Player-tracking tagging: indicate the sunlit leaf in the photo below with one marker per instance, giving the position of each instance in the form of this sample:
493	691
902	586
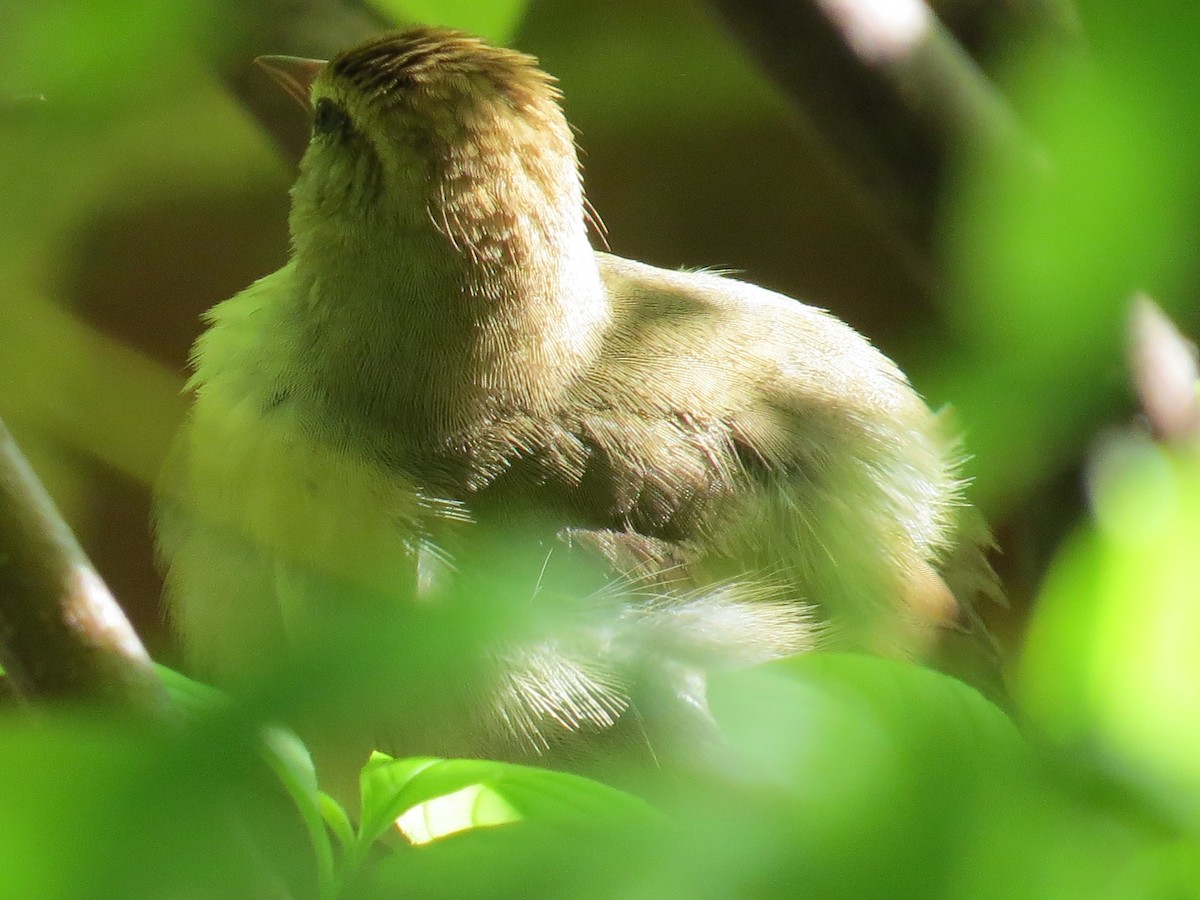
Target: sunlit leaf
484	793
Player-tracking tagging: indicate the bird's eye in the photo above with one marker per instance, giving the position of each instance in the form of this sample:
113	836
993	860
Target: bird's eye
329	118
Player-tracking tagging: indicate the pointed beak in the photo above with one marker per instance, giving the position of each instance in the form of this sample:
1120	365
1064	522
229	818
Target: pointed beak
294	74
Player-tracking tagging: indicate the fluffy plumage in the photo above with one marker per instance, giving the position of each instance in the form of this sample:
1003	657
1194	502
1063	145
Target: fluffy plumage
445	358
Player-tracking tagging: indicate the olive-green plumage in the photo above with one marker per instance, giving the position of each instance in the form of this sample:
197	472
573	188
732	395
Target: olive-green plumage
445	356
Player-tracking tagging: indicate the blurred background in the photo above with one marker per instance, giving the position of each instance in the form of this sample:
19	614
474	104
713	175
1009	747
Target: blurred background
141	188
990	190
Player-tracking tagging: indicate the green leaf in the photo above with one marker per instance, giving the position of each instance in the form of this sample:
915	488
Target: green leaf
383	782
496	20
189	695
107	807
289	759
1113	656
103	54
337	821
524	859
445	796
784	713
835	752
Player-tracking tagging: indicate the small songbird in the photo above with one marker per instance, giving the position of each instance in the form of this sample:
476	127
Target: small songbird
445	359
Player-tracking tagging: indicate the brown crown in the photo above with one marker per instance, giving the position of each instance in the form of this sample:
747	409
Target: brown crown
426	55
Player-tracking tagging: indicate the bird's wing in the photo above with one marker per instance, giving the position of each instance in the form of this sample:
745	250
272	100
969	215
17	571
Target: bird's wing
840	478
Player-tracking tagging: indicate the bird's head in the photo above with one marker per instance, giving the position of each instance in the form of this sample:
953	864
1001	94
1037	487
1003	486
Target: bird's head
431	134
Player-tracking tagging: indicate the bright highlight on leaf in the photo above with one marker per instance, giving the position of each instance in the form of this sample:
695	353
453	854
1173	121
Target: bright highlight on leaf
432	798
476	806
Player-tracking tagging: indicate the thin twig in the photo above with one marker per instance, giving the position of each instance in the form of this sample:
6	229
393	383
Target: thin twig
889	89
1165	373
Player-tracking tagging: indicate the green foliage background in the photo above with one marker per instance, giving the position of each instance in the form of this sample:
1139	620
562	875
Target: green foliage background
137	193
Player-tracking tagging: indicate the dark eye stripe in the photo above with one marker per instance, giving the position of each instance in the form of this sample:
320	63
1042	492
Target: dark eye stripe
329	118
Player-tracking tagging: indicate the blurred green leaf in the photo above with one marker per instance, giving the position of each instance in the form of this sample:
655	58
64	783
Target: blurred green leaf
1113	655
290	761
846	751
189	695
111	808
821	693
338	822
1047	256
103	55
496	20
612	61
525	859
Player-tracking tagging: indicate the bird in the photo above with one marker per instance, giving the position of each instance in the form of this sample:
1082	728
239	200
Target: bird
446	365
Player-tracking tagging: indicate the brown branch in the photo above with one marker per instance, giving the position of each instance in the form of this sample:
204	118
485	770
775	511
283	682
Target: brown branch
889	89
62	635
